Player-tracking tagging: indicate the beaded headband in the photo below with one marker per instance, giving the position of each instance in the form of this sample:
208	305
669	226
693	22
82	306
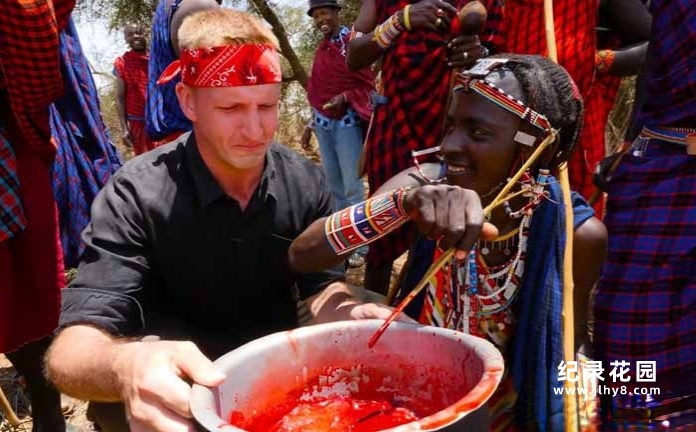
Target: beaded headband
473	79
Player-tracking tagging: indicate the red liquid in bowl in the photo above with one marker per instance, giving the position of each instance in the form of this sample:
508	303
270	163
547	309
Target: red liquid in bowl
336	414
376	402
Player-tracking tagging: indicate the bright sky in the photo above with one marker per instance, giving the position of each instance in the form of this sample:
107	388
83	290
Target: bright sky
100	46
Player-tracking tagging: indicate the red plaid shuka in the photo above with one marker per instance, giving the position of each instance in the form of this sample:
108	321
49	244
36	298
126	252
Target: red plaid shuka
31	273
415	81
575	22
131	67
29	58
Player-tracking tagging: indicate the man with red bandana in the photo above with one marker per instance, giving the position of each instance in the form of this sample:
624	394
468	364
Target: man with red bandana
183	239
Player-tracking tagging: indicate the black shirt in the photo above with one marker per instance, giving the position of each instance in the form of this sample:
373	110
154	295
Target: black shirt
168	253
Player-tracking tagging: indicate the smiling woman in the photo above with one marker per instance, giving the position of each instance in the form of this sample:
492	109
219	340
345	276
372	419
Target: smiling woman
508	288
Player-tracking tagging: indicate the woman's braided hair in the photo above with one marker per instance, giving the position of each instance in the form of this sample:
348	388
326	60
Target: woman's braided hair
550	91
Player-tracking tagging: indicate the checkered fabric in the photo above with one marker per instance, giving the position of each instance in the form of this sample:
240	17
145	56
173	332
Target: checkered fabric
131	67
12	219
85	157
29	58
645	307
673	43
575	22
415	80
163	115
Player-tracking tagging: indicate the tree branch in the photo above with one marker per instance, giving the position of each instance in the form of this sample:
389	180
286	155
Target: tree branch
270	16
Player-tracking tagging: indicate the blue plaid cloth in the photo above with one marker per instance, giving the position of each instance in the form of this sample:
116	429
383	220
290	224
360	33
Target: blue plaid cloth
162	112
12	218
85	157
645	307
671	80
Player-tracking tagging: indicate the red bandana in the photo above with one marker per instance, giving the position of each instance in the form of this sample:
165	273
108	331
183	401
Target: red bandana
226	66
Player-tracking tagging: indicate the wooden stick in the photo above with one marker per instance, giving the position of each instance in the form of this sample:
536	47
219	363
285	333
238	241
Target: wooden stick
7	410
570	405
447	255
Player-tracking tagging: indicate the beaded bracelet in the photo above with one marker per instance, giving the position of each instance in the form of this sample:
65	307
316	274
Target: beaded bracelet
365	222
604	59
386	32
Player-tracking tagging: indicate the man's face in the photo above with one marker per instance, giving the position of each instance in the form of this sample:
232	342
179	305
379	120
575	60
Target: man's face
234	126
326	20
135	37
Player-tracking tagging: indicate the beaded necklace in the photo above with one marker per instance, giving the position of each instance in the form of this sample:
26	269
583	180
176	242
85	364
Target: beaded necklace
480	291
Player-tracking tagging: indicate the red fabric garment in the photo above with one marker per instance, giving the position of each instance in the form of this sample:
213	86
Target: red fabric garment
331	77
131	67
226	66
415	79
30	65
31	262
141	142
575	22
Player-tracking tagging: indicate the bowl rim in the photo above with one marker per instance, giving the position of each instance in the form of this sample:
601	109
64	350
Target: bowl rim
203	397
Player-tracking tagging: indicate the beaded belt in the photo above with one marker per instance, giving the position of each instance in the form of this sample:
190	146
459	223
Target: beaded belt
667	134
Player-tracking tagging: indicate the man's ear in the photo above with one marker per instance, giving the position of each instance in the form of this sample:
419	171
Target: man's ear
185	95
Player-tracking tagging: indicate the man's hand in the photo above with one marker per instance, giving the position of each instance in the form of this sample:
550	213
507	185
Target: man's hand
305	141
432	14
127	138
153	386
337	103
463	51
449	214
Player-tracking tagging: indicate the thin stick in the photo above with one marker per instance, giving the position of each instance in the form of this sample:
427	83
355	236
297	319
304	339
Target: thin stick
10	415
570	408
447	255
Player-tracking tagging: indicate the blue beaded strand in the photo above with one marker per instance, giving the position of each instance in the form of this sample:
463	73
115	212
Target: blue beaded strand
473	273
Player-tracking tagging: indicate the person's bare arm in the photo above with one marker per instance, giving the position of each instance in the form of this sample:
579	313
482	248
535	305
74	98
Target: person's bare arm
87	363
628	60
311	252
589	253
363	50
95	378
449	214
631	21
186	8
338	303
121	111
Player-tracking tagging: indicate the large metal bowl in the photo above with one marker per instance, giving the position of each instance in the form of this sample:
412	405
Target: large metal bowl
452	370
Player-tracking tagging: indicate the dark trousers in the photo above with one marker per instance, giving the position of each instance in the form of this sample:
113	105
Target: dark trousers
108	417
45	399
